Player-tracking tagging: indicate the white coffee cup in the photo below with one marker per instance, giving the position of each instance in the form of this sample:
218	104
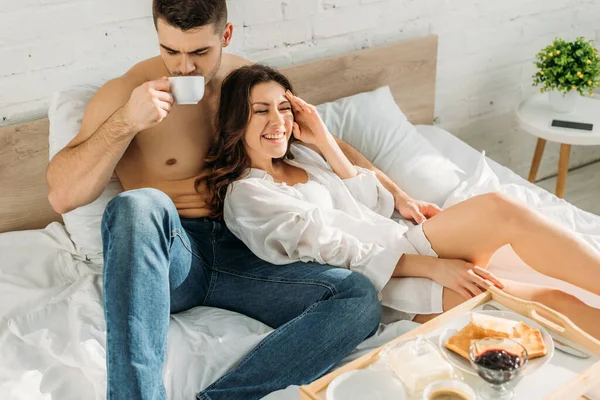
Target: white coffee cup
449	389
187	89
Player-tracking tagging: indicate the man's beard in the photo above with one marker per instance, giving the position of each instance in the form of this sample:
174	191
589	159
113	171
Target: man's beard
208	77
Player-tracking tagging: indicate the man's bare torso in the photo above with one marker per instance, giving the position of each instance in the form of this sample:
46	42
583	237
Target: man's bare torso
170	156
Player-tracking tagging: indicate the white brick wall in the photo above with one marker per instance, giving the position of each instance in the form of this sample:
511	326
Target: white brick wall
485	55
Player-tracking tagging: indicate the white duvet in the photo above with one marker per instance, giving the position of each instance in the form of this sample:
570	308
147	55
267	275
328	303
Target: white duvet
52	333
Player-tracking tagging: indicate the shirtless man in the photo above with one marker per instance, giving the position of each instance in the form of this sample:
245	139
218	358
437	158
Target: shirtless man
162	256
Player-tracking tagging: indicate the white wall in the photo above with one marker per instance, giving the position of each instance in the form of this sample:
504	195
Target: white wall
485	55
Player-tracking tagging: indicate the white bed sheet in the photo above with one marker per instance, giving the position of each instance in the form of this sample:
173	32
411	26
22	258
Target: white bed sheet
52	335
505	263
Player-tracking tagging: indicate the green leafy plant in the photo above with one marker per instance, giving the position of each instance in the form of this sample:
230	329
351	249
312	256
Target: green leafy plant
566	66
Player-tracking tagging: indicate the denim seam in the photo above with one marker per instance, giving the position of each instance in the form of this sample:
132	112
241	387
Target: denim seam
188	248
109	355
219	268
213	277
331	288
214	243
211	287
270	337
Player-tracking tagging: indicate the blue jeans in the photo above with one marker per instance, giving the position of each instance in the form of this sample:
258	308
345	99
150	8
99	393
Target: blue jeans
157	263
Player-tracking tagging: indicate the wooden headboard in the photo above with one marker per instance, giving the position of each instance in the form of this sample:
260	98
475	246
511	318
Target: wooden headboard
408	68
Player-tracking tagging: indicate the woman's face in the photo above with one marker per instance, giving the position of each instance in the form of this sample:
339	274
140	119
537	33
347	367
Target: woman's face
270	124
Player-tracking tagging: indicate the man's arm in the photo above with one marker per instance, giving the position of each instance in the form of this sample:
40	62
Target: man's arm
408	207
78	174
357	158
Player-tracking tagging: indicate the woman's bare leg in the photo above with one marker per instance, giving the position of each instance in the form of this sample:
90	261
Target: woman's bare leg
581	314
475	228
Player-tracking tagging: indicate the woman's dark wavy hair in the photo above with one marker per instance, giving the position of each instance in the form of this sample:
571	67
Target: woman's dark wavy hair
227	160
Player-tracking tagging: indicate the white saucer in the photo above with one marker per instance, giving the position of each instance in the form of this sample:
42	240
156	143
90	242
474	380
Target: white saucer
365	384
464	365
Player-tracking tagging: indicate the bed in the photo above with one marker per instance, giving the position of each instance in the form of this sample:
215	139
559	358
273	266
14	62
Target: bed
51	323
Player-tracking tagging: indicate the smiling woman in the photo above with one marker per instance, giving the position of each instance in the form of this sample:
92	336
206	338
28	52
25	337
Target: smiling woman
329	211
270	124
250	119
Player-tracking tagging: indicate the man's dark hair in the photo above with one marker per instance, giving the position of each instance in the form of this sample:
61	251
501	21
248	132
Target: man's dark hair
190	14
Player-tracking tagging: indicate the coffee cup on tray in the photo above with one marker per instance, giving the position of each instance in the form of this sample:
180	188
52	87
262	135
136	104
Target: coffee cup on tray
449	390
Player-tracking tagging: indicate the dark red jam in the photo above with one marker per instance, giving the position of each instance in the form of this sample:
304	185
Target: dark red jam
497	359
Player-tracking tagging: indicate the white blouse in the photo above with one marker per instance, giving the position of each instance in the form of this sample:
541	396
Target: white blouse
343	223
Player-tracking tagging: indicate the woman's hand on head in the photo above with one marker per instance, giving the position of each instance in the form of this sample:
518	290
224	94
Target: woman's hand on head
308	126
465	278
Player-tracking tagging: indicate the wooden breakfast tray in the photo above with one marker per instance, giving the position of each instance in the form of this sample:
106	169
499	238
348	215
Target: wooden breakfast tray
571	385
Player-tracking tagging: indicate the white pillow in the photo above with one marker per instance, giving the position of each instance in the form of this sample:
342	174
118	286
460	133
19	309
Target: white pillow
373	124
83	224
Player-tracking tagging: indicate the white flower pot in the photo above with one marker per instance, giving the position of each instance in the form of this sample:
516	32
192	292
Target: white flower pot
564	103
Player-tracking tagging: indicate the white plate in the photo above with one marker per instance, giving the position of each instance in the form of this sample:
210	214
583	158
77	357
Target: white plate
459	323
365	384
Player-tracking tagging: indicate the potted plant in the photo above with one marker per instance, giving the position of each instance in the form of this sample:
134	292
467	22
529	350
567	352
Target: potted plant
567	70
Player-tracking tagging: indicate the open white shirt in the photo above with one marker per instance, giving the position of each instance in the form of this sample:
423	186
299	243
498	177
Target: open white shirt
344	223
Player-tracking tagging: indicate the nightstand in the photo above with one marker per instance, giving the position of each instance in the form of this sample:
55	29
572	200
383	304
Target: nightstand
535	116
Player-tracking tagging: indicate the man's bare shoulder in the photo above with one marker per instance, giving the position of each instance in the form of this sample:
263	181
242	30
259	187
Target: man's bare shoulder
115	93
117	90
231	62
235	60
